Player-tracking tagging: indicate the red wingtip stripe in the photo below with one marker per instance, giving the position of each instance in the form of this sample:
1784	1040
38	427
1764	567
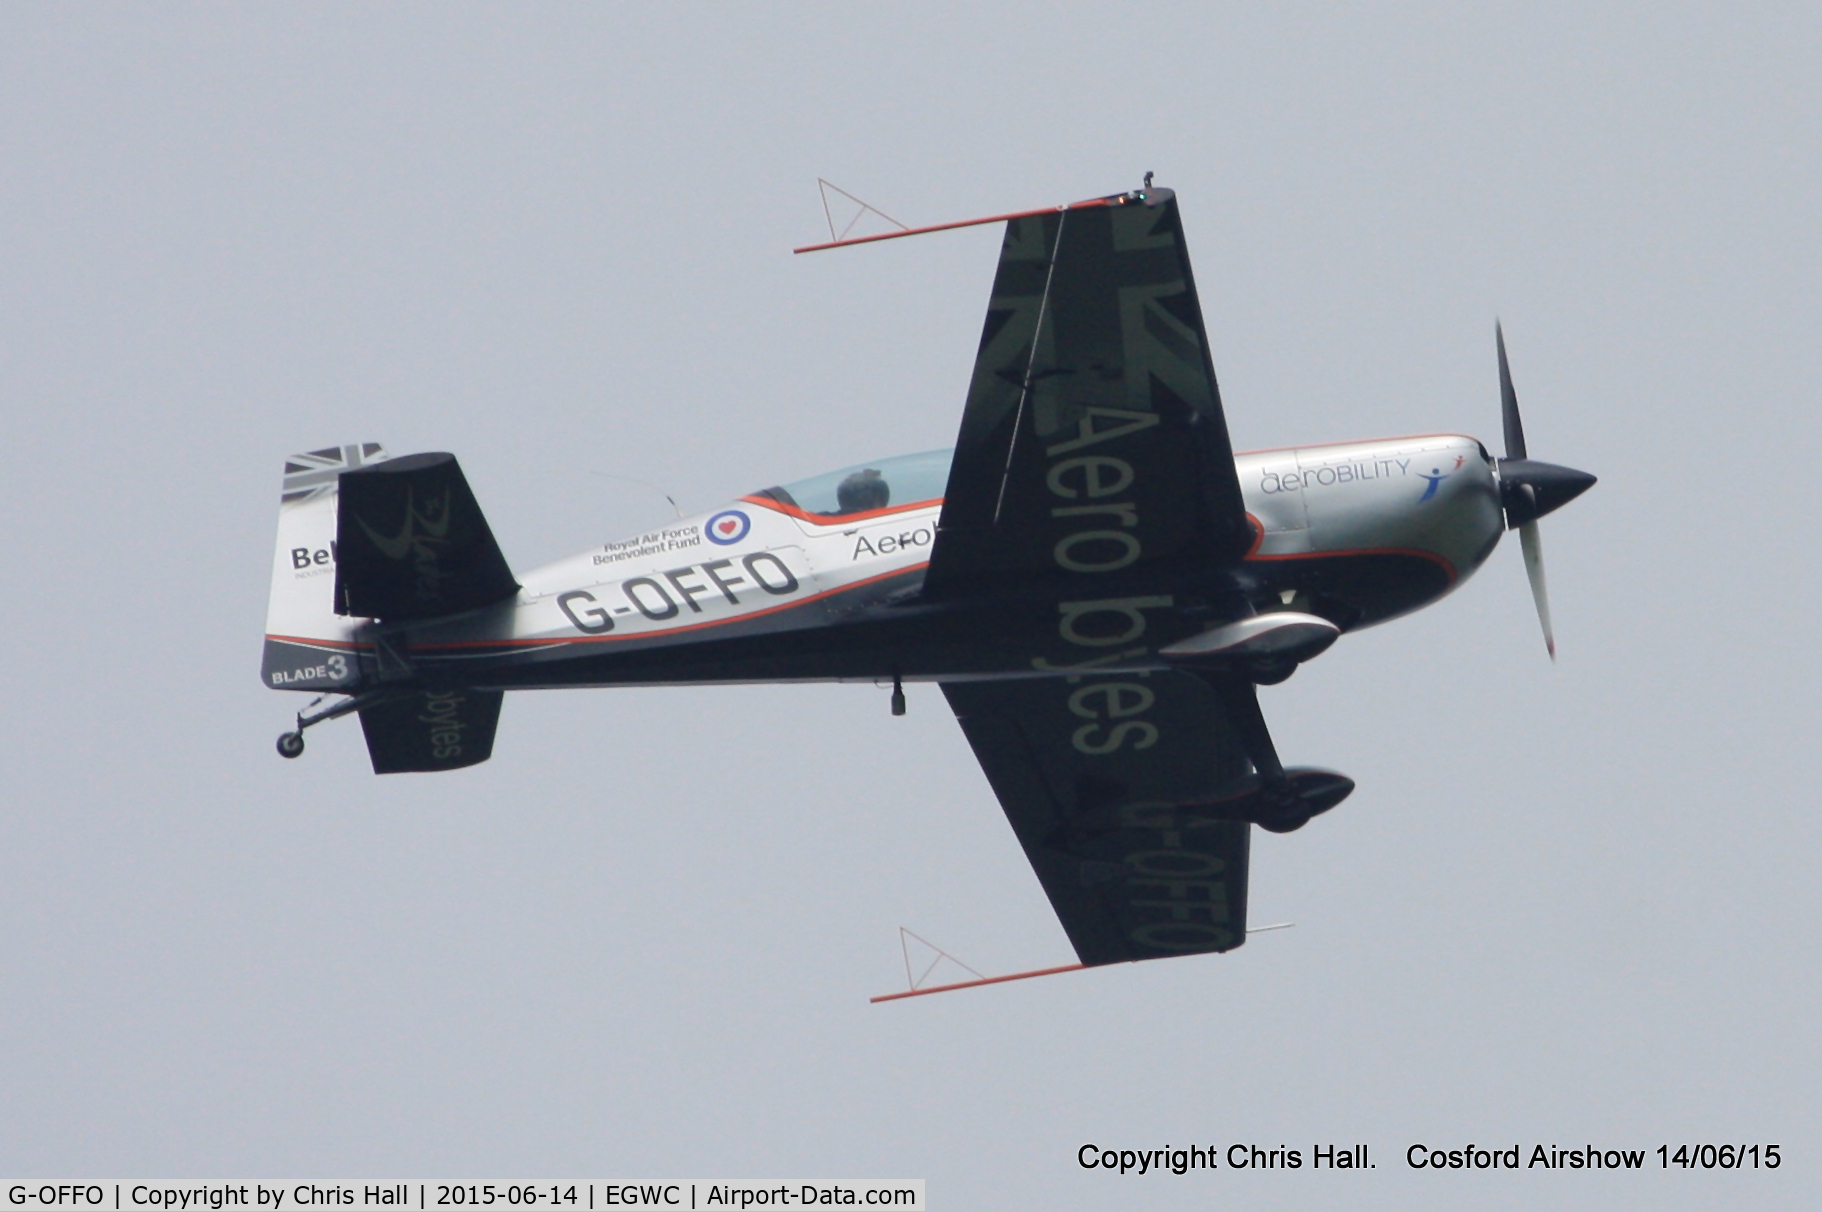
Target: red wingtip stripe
988	980
918	231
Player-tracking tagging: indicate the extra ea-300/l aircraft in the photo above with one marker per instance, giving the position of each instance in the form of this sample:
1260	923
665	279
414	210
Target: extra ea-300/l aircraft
1092	576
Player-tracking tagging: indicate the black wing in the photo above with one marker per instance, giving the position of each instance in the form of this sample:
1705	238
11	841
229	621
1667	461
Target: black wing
1093	438
1095	774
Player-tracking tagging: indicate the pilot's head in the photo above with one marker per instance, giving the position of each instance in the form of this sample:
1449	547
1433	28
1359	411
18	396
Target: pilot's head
862	491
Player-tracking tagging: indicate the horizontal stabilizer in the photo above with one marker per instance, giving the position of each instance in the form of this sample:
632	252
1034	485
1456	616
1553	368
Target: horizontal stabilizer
412	543
431	730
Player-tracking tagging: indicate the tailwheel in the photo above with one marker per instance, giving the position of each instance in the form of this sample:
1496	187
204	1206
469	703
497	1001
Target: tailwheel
291	744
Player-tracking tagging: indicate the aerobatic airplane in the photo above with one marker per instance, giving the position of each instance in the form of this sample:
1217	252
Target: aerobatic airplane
1094	578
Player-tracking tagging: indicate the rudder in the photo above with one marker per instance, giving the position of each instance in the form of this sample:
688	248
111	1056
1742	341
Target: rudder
308	645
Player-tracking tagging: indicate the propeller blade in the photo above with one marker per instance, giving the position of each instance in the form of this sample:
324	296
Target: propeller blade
1532	543
1508	400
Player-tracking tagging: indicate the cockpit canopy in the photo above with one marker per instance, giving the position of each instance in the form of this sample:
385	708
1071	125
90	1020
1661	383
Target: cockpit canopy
896	483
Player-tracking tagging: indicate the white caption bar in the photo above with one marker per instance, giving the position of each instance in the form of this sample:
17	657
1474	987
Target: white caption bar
698	1195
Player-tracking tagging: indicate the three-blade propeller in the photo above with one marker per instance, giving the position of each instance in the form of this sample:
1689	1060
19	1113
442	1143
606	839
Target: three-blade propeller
1529	490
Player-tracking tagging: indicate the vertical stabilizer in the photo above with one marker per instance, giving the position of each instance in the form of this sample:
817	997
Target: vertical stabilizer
308	645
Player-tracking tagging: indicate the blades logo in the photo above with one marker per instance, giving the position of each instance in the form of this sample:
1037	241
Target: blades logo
425	533
728	527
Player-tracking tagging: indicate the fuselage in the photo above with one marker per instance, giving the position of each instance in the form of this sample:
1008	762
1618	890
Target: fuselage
798	584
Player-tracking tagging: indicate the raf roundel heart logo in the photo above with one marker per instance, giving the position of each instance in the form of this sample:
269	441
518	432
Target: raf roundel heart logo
728	527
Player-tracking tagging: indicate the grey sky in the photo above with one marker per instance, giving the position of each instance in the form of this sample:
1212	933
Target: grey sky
1567	905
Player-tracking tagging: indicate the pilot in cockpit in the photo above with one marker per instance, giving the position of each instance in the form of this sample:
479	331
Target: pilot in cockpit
863	491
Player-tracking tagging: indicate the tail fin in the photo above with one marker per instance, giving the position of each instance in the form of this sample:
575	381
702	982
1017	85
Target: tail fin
308	645
412	544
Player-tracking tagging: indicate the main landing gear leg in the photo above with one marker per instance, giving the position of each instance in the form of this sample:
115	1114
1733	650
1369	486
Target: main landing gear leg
898	696
1241	699
1284	800
291	744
